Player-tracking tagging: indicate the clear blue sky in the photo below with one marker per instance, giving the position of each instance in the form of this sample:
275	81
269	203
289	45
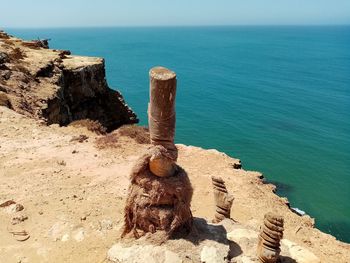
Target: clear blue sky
68	13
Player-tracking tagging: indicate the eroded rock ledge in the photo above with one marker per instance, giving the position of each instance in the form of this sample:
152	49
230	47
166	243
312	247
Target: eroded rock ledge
56	87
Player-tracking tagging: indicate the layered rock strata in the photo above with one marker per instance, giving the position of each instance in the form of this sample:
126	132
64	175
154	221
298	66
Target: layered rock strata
56	87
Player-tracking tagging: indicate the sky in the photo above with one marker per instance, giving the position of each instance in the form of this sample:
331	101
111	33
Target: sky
95	13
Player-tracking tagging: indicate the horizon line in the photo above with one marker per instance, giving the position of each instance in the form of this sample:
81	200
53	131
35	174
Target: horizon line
164	26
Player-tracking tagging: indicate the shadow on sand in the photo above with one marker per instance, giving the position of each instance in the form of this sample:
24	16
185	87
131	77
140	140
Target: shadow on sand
202	231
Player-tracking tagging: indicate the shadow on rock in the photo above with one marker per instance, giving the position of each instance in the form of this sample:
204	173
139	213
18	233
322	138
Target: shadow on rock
201	231
217	233
283	259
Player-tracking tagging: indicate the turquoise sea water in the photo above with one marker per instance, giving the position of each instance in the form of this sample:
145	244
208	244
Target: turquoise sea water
278	98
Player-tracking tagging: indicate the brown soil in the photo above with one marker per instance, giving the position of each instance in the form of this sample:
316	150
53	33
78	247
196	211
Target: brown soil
74	194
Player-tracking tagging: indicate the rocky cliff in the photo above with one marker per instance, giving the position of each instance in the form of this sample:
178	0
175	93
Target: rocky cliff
56	87
63	189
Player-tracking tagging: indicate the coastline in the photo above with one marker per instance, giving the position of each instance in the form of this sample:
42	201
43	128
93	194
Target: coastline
60	181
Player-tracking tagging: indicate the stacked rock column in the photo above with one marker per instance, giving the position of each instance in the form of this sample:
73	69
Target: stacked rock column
269	238
223	200
160	192
161	118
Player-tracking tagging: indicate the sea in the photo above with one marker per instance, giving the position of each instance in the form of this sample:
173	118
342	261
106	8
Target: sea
276	97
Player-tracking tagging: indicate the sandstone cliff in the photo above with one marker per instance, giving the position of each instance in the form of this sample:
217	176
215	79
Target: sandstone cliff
56	87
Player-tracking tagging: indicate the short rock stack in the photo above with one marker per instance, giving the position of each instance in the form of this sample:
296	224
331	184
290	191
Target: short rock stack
269	238
223	200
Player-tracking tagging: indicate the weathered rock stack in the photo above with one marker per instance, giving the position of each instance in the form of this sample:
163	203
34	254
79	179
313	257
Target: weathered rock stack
269	238
223	200
161	119
160	192
161	108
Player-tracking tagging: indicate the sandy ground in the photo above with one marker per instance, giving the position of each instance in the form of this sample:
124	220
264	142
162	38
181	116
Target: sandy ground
73	194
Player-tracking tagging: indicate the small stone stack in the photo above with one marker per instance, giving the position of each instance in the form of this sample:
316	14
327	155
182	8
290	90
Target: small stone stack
269	238
223	200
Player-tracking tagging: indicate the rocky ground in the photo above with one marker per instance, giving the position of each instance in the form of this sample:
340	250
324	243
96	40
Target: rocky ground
56	87
70	189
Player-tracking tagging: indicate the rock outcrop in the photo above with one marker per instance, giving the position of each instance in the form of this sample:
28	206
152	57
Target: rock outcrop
56	87
227	241
74	192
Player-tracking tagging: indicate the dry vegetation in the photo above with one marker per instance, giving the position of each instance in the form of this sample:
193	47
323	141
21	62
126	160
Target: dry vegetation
7	42
5	101
32	45
3	35
17	54
21	69
2	82
93	126
80	138
138	133
108	141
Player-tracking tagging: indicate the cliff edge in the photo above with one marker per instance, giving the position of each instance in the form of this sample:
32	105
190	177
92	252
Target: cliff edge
56	87
63	189
69	186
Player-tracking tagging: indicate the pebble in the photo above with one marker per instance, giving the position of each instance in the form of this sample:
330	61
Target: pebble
80	235
55	232
105	225
65	238
7	203
18	219
14	208
212	255
142	254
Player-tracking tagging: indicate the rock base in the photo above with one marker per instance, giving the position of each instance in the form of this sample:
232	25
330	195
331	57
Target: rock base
157	203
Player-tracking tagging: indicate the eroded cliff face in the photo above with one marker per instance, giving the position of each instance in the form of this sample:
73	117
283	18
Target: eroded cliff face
58	88
84	93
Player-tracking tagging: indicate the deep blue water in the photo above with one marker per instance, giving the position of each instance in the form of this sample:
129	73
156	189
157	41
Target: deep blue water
278	98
